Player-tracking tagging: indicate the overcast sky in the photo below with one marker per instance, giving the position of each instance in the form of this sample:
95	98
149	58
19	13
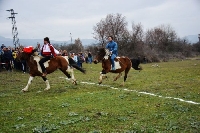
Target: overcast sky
56	19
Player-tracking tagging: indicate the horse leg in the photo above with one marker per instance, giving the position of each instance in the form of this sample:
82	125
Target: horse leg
118	76
125	75
47	83
29	82
69	76
102	75
73	78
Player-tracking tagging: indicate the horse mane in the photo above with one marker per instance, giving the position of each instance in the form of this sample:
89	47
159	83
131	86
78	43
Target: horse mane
101	52
34	52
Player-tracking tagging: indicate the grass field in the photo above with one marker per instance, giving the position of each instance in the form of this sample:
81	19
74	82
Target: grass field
161	98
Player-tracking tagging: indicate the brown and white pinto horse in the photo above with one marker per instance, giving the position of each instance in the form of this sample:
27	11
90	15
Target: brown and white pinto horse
122	63
63	63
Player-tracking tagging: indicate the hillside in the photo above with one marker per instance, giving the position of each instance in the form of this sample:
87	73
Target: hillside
33	42
192	38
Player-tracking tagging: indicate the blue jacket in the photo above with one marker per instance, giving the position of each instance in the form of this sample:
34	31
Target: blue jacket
7	55
112	46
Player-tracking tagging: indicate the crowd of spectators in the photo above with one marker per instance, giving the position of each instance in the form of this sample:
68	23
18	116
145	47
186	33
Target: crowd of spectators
9	62
8	59
79	58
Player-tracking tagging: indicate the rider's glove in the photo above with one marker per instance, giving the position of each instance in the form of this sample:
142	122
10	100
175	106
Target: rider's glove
110	52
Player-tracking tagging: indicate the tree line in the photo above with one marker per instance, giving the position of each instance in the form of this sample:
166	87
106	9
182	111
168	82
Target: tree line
160	43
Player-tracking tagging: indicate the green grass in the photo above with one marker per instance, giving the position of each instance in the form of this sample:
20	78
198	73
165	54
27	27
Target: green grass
104	108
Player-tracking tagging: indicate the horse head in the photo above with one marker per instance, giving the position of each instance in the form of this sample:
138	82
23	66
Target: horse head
101	54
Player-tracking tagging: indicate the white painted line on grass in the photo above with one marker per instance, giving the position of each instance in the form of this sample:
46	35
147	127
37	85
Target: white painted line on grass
141	92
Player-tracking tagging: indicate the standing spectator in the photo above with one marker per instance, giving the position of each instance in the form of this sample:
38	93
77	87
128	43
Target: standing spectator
0	61
23	62
90	57
14	54
86	57
60	52
74	57
38	48
81	59
64	53
18	63
7	56
1	54
1	57
2	46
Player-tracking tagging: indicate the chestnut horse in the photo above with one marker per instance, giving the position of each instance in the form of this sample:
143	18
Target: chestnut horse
63	63
122	63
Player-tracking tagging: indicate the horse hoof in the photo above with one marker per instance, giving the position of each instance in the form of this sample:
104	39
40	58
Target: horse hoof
74	82
46	89
24	90
100	83
122	84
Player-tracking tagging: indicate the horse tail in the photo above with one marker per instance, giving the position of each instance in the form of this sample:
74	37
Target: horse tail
78	68
135	64
73	64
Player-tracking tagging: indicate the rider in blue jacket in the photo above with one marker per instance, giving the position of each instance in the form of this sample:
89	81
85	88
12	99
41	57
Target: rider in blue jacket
112	46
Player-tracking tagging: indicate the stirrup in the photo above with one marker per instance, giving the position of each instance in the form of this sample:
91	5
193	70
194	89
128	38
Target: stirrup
113	68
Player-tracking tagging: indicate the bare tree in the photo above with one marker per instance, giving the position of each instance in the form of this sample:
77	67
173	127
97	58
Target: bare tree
73	47
99	32
112	25
160	38
78	45
196	47
136	40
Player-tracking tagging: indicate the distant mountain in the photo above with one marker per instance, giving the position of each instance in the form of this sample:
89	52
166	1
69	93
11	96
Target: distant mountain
192	38
33	42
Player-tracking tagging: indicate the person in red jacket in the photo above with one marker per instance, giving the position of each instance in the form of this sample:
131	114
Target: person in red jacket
47	50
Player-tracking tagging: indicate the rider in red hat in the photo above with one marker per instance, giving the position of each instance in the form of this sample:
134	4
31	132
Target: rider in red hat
47	50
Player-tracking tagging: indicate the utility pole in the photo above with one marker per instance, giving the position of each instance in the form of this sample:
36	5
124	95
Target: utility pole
199	37
71	37
14	28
